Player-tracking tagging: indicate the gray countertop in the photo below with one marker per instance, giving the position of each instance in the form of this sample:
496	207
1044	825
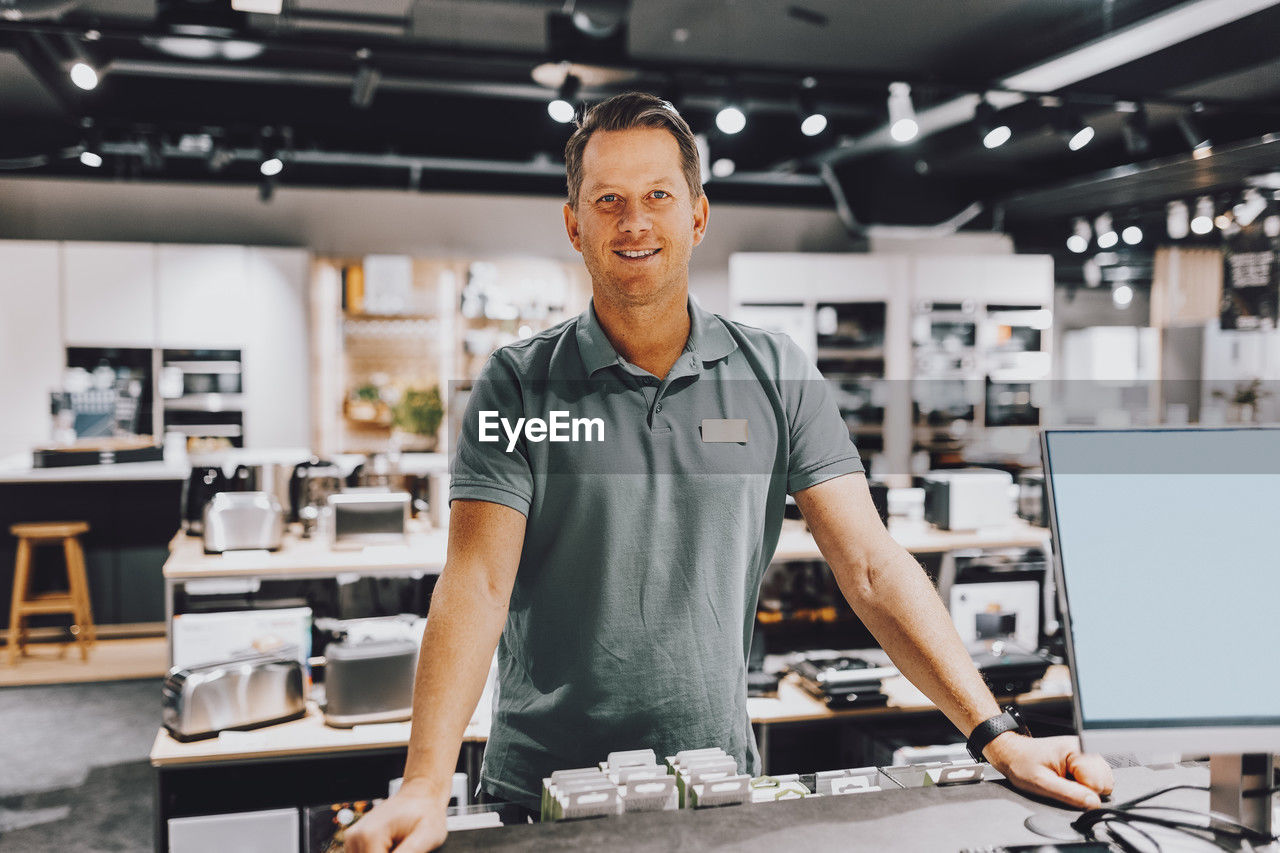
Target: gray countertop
914	819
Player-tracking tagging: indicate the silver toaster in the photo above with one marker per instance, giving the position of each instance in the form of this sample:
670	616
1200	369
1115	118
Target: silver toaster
243	693
239	521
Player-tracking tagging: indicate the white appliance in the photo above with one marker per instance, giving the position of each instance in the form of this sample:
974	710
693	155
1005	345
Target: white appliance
968	498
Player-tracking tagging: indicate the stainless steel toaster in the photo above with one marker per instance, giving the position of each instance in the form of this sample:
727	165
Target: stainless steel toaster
239	521
370	518
243	693
369	682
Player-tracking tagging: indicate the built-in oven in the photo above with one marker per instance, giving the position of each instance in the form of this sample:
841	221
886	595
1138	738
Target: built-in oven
203	396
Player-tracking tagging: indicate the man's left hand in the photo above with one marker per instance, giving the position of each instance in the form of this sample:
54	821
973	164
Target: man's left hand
1052	767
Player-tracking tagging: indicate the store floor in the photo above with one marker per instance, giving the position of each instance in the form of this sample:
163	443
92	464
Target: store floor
74	774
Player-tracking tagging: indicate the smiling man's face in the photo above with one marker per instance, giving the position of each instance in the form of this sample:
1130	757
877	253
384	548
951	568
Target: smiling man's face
635	222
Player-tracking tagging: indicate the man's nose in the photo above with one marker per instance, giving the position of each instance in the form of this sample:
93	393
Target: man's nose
635	219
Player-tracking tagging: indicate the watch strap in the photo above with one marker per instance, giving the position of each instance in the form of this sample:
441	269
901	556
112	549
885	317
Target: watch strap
989	730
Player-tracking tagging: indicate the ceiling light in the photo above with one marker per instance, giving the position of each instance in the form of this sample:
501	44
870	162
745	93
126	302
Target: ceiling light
562	108
84	75
1132	235
91	158
1134	129
1250	208
1122	295
993	131
272	159
1078	242
1194	135
723	168
1203	222
1223	221
1177	220
365	83
902	113
1078	132
731	120
1107	236
812	120
271	166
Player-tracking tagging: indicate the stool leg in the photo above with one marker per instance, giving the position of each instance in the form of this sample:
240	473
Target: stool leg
90	628
76	585
21	570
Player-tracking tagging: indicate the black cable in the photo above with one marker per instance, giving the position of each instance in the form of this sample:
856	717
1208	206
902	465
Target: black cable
1128	845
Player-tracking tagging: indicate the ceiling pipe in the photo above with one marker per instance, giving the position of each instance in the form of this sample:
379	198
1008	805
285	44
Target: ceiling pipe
1112	51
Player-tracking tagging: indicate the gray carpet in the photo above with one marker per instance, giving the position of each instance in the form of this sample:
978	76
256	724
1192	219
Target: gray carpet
75	775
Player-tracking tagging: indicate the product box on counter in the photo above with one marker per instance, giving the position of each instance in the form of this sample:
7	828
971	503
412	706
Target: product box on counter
200	638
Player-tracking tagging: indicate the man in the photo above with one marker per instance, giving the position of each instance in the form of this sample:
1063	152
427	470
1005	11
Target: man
622	574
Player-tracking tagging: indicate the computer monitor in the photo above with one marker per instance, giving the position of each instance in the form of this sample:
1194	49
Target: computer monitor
1168	564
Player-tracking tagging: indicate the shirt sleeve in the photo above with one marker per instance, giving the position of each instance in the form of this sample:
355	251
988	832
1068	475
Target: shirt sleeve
485	470
821	447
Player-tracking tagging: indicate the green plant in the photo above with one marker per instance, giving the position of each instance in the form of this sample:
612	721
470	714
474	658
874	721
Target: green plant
368	393
419	411
1246	394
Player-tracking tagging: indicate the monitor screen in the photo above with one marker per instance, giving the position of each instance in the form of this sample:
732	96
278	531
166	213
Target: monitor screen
1169	559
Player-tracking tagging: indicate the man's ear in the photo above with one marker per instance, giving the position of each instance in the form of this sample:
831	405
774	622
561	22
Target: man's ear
571	226
701	215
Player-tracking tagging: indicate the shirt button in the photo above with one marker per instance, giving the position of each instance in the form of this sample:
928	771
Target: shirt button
658	408
693	361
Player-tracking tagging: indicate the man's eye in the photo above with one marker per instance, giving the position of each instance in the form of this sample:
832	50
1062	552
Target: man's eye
661	194
608	198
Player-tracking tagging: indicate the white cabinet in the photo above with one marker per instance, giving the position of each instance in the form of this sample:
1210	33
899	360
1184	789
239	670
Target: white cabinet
31	356
276	352
109	294
203	296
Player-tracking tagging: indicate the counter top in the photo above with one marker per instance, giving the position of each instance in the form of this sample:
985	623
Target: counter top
310	736
17	469
423	551
975	817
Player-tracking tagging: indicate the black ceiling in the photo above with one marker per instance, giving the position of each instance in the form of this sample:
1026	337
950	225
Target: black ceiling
458	107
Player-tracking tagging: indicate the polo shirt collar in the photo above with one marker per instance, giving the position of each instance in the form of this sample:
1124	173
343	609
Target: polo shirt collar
709	340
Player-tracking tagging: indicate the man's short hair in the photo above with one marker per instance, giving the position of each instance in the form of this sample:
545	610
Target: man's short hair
629	111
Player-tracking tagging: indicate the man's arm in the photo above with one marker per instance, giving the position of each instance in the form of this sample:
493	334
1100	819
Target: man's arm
894	598
468	611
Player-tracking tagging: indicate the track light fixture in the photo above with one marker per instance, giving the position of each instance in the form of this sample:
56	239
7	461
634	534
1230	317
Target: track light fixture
84	75
1077	131
993	131
1078	242
723	167
812	120
902	113
1203	222
1107	236
1177	220
562	108
366	81
1135	130
1250	208
272	156
1132	235
731	119
1196	139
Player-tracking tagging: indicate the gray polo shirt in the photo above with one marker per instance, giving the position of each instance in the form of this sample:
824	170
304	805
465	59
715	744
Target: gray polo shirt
647	537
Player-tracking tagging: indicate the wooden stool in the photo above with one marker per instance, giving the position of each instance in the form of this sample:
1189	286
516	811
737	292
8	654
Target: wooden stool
74	601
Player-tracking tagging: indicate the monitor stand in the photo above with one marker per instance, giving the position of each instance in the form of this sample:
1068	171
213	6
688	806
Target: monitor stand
1230	777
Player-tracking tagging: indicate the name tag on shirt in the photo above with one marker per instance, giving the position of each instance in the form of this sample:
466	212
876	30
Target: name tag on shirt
724	430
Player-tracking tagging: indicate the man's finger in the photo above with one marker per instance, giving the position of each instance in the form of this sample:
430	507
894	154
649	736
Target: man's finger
422	840
1091	771
1050	784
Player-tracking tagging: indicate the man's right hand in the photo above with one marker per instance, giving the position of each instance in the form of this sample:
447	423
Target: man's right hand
409	822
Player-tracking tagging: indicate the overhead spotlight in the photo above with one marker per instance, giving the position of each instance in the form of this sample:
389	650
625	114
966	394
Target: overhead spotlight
562	108
84	75
1224	221
1203	222
1250	208
1177	220
1107	236
723	167
92	159
993	131
1078	132
1122	295
1135	130
272	157
1132	235
731	119
902	113
1078	242
366	81
812	119
1196	139
91	145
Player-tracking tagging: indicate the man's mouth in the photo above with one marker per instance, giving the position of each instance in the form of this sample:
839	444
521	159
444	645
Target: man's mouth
635	254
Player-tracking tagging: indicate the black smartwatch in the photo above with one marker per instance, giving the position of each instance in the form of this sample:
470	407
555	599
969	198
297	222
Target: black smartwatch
989	730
